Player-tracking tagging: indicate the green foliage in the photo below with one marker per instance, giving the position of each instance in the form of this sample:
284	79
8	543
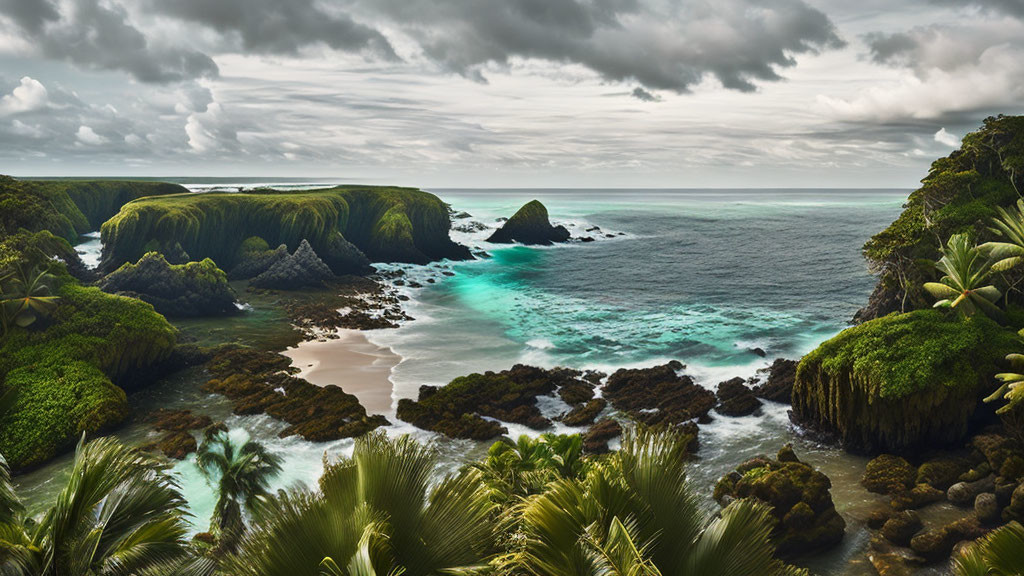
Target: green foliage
379	510
25	297
901	380
64	373
959	195
388	224
191	289
1011	386
999	553
965	285
1008	226
524	467
120	513
635	513
240	472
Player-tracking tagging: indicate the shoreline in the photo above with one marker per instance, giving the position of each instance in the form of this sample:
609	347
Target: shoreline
351	362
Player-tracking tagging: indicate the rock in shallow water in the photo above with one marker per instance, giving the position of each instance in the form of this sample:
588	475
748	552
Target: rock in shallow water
778	384
735	399
530	225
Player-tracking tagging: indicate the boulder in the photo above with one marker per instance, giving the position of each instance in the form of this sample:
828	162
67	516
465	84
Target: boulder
301	269
778	381
964	493
937	544
595	441
917	497
943	472
901	527
799	498
987	509
529	225
888	474
735	399
1015	511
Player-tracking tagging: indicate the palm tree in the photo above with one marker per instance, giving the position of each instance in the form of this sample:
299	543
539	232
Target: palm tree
241	473
965	284
1012	388
380	512
523	467
29	297
999	553
634	514
10	506
119	514
1008	224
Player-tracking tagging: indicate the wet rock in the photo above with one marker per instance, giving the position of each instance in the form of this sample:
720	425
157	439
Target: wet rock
892	564
586	239
942	472
576	392
901	527
759	352
879	517
798	495
1004	491
177	445
530	225
658	395
987	509
888	474
259	382
585	413
164	420
461	408
778	381
1015	511
470	227
595	441
964	493
735	399
936	544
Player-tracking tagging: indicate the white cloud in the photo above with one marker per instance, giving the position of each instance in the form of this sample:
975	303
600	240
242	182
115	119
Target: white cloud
30	95
943	137
86	135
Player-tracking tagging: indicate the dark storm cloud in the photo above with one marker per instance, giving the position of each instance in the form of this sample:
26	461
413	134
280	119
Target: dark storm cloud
644	96
661	44
278	26
99	36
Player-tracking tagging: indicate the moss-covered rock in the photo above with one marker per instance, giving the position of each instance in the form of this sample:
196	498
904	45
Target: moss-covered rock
888	474
798	495
67	374
901	527
936	544
460	409
529	225
385	224
902	382
943	472
584	413
181	290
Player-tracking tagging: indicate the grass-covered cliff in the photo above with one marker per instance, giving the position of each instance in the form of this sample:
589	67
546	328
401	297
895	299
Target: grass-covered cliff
902	382
386	224
960	194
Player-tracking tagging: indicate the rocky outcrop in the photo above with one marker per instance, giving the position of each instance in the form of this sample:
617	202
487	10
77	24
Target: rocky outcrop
529	225
888	474
798	495
180	290
735	399
341	224
303	269
777	381
659	395
466	406
901	383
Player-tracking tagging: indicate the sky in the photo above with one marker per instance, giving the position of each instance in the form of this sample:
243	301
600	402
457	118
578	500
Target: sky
505	93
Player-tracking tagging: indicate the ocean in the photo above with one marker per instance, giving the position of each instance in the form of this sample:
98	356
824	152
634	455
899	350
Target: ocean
699	276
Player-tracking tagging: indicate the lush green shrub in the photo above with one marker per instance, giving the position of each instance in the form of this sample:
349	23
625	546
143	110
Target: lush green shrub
192	289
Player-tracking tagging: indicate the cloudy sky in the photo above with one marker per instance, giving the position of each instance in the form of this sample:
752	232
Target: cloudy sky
505	93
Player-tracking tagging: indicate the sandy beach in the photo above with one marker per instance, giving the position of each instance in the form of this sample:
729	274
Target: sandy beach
352	362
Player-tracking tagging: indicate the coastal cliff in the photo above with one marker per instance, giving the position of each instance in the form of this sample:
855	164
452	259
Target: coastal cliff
385	224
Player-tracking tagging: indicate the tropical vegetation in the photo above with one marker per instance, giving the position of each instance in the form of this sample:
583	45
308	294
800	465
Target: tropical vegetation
965	286
1000	553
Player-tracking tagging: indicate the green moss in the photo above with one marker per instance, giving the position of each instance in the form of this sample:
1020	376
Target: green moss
387	224
182	290
66	373
901	381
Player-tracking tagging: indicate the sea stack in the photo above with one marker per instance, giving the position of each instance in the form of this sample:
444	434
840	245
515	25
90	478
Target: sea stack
530	225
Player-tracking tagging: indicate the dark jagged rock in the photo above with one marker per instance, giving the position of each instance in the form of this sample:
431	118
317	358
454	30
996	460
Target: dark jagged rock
299	270
798	495
735	399
658	395
255	258
460	409
183	290
530	225
585	413
595	441
778	384
261	382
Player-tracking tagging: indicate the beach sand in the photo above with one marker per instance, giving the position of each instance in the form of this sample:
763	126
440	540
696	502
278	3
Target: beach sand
352	362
